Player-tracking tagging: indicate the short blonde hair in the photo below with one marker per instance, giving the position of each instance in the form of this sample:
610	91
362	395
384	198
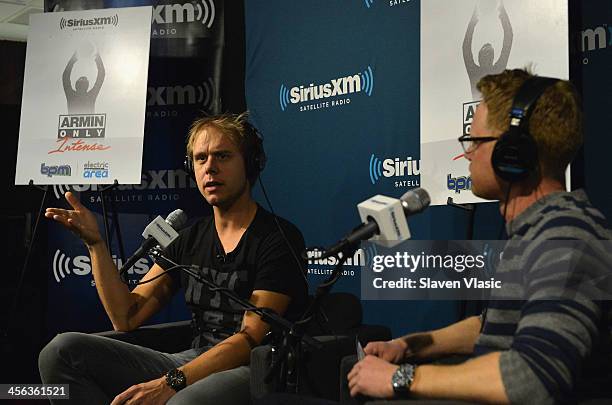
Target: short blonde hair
555	123
231	125
237	128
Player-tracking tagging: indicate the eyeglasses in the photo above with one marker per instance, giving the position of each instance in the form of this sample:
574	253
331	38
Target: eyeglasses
471	143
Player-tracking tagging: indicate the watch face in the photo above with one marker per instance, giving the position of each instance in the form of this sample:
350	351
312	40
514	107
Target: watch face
176	379
402	378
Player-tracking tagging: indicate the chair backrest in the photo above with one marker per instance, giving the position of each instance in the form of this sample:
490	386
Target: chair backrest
339	312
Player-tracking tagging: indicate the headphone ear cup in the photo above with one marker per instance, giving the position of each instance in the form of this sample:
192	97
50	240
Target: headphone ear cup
188	165
260	156
515	155
256	157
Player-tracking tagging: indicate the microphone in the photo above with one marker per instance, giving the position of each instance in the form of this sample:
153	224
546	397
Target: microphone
159	232
384	220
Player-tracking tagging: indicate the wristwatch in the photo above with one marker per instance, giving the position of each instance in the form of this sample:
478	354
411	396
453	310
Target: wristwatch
402	378
176	379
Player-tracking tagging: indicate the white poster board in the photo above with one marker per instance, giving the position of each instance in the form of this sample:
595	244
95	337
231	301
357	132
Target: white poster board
462	41
84	97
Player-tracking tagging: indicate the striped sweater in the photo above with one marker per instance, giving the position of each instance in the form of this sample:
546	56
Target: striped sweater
544	334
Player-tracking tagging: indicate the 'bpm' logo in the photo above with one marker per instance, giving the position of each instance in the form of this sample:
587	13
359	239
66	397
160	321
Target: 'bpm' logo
50	171
87	22
458	184
360	82
394	168
188	12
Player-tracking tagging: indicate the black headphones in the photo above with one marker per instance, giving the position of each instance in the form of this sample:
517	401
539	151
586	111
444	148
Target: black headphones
254	154
515	154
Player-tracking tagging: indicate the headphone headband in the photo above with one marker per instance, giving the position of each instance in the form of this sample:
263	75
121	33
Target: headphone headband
515	155
526	97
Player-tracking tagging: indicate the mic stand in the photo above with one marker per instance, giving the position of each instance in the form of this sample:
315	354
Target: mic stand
286	359
107	231
471	209
5	332
286	354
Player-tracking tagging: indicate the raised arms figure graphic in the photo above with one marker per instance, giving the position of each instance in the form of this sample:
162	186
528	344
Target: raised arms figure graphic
486	55
82	100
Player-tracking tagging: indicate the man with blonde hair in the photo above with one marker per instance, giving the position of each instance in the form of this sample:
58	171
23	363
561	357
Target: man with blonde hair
531	343
241	247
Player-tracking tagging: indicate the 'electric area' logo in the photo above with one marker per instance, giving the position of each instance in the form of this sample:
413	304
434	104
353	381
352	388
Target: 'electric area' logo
162	99
64	266
173	18
86	23
50	171
97	170
458	184
362	82
592	39
152	180
397	167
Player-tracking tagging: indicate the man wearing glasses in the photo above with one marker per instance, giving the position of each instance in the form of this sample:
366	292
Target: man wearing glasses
532	344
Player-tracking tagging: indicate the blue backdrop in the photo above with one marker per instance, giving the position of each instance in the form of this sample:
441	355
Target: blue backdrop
325	145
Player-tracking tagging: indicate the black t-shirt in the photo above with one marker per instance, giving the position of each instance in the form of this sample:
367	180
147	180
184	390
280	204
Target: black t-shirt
261	261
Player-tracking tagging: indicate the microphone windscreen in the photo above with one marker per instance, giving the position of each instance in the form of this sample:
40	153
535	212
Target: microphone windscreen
415	200
177	219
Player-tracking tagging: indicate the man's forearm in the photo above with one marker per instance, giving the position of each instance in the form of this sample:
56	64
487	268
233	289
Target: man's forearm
475	380
114	294
458	338
232	352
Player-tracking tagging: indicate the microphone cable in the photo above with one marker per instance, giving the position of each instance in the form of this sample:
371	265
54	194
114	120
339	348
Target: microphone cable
280	228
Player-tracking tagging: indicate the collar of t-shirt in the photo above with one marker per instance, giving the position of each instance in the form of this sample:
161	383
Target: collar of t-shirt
223	257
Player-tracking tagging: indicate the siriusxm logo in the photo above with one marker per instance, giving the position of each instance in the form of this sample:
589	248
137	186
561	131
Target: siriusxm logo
396	167
164	96
50	171
341	86
593	39
458	184
359	258
88	22
203	11
64	266
363	256
151	180
392	3
596	38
